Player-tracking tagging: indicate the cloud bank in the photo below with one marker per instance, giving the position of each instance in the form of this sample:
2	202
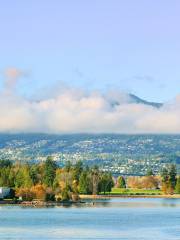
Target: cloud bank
76	111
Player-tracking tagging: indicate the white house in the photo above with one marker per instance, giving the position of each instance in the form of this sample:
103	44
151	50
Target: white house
4	192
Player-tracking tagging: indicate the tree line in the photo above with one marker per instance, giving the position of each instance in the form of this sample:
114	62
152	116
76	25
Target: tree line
168	181
48	181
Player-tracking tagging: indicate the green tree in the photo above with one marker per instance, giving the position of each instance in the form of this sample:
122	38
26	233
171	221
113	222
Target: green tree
78	168
84	183
106	182
4	176
5	163
177	188
34	173
165	180
49	172
23	178
164	175
121	183
172	176
149	172
169	179
68	166
66	192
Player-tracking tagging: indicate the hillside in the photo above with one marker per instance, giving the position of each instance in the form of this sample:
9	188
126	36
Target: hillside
127	154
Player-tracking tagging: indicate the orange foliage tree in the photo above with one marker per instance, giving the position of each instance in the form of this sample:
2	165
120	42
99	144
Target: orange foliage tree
39	192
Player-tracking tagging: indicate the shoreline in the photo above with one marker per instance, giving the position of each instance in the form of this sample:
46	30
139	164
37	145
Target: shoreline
83	199
39	203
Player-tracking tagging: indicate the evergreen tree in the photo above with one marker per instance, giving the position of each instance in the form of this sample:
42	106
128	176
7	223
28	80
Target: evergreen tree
169	179
34	173
121	183
165	180
11	177
106	183
5	163
164	175
78	168
177	188
49	172
172	176
68	166
66	194
84	183
149	172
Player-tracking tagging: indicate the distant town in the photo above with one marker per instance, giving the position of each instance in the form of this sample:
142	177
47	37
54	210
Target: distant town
118	154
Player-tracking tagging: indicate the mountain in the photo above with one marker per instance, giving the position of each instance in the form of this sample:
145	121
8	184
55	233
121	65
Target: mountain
130	98
136	99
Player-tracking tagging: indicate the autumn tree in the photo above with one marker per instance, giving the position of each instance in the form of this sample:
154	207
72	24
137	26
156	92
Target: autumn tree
39	192
149	182
134	182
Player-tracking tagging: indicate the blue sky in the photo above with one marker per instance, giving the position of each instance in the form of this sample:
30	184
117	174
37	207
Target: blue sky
133	45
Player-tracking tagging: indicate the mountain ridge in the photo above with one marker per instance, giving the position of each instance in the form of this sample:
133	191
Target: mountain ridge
142	101
134	99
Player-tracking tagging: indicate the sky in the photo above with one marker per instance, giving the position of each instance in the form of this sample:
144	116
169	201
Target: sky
133	45
86	51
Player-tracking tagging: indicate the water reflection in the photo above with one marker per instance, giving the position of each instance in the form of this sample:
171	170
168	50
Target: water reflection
116	218
133	202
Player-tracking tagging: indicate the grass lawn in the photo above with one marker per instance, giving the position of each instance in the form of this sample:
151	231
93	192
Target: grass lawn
123	191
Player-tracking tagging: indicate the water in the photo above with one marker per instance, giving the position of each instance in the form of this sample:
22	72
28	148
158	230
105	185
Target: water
126	219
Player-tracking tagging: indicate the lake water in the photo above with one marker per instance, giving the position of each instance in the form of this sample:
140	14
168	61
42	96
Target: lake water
126	219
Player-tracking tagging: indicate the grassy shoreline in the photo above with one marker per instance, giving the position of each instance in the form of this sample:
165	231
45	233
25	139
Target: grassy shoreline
175	196
131	193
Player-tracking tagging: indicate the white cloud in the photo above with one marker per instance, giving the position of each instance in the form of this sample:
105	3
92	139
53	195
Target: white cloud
73	111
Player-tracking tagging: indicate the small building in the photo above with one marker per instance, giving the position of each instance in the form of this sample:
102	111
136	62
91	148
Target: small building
4	192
